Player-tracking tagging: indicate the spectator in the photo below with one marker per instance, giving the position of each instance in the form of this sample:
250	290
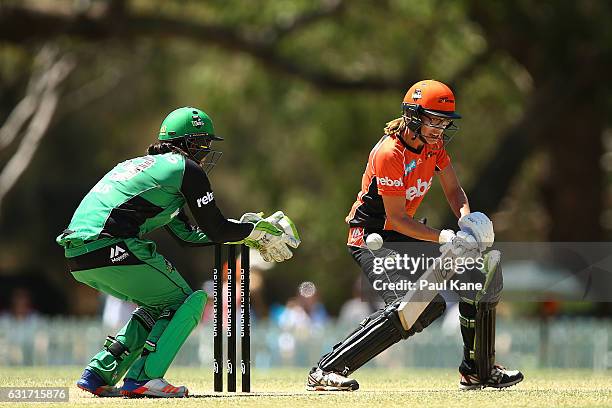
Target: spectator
356	308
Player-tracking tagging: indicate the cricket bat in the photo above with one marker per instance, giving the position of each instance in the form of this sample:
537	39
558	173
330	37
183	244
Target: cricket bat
415	301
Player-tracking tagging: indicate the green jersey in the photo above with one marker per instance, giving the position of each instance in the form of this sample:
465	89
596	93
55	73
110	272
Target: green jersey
145	193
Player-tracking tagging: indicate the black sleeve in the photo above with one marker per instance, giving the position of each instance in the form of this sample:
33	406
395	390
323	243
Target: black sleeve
201	201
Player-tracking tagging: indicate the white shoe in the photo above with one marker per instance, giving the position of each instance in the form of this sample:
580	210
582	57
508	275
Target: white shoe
500	378
319	380
157	387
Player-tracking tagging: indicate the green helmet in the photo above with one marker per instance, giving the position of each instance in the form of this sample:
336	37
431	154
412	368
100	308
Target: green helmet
191	129
187	121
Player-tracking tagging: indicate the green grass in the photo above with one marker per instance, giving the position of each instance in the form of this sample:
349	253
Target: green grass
382	388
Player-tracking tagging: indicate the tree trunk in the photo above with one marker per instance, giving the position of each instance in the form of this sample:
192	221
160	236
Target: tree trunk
573	188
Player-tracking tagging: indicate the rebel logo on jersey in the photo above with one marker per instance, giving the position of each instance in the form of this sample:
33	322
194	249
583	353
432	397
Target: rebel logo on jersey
419	190
205	199
386	181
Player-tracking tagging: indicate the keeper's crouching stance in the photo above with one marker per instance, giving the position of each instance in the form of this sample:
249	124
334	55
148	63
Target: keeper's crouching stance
398	175
105	250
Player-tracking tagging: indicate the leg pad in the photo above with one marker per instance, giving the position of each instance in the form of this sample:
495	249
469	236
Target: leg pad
374	335
484	342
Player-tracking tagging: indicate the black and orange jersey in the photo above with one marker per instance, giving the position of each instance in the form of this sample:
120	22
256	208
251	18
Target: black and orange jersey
393	169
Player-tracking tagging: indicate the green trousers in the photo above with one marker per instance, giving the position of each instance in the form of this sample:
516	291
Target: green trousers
145	278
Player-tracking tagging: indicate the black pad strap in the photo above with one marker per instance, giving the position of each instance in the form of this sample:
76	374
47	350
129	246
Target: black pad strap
144	318
149	347
466	322
116	348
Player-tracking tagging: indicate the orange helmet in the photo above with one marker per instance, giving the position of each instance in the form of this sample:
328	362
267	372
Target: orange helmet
431	97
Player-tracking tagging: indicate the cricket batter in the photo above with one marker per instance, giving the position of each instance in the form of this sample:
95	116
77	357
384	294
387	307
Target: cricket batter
105	249
398	174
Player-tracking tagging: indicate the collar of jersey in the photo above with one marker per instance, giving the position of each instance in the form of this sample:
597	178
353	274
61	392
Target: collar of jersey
407	146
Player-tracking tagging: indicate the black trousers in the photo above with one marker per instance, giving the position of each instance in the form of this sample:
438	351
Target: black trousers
366	260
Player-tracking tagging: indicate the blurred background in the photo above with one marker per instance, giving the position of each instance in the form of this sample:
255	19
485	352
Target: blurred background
301	91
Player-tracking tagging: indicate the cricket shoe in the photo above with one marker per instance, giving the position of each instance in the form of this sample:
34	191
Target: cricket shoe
90	381
157	388
319	380
500	378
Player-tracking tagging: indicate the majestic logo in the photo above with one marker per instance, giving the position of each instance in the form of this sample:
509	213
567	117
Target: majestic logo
207	198
118	254
417	94
419	190
386	181
196	121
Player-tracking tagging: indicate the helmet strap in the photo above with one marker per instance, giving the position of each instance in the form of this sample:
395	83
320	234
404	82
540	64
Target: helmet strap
414	125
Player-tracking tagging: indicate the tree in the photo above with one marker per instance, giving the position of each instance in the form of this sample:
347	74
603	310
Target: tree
36	109
311	84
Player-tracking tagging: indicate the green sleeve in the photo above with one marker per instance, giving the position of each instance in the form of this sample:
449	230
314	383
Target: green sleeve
186	233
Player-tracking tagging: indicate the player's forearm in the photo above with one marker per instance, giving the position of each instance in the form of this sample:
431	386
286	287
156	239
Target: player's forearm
185	233
219	229
458	202
406	225
189	238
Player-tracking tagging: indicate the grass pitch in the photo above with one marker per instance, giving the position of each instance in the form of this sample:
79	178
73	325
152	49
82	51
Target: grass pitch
379	388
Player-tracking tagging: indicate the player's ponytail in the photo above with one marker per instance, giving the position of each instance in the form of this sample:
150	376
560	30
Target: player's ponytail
165	147
396	126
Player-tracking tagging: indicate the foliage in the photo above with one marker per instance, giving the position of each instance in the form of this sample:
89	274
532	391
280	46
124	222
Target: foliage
301	91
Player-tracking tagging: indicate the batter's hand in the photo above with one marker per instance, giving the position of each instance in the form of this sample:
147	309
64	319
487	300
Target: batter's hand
460	244
480	227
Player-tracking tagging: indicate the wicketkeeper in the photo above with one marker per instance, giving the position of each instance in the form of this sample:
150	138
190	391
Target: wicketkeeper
105	249
398	174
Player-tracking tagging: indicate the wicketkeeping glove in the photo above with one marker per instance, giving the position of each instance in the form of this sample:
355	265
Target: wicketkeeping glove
252	217
286	224
272	236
